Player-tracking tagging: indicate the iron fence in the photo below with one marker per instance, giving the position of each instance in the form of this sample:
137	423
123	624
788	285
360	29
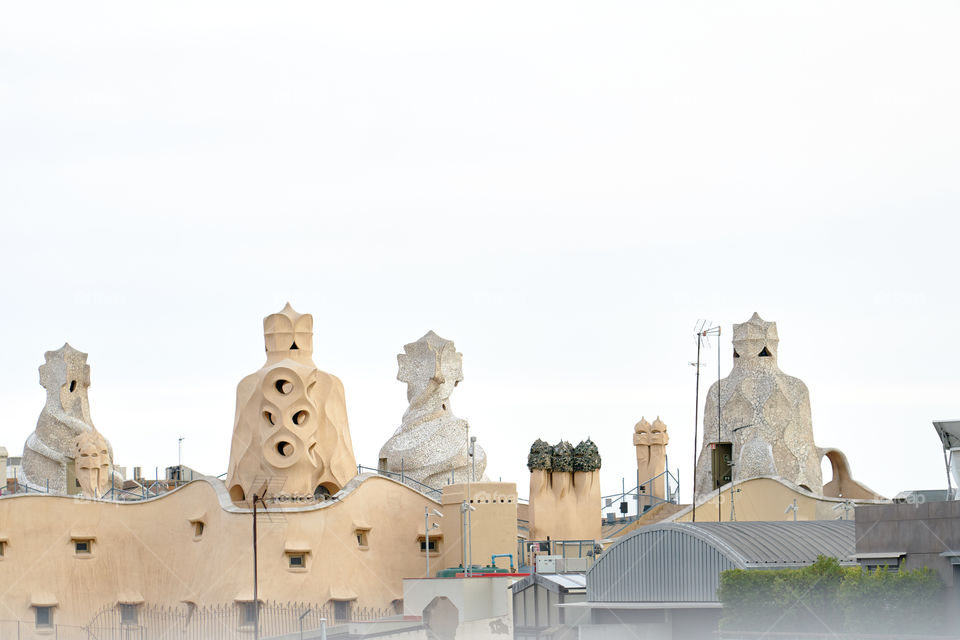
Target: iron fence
232	621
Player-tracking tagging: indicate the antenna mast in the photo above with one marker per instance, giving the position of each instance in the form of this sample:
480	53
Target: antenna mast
704	330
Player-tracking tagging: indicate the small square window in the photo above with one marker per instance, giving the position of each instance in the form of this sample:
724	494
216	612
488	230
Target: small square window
3	548
424	543
197	529
83	547
248	613
298	560
43	616
341	610
129	614
362	537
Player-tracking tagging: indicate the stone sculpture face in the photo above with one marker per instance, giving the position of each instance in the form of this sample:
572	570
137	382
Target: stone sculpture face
291	440
755	343
92	462
650	441
65	375
288	331
431	444
431	359
764	415
641	433
658	433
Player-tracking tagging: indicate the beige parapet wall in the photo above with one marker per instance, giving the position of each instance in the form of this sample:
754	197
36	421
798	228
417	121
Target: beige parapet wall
151	552
493	525
768	499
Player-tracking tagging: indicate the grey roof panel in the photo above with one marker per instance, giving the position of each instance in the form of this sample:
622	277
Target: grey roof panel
783	543
552	581
682	561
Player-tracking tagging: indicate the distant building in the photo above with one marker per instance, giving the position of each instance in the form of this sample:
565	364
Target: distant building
661	581
911	535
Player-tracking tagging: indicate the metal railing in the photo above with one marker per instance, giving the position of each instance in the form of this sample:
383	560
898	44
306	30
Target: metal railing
642	500
403	478
188	622
527	550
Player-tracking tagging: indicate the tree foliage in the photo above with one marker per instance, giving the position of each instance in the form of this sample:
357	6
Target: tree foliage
828	598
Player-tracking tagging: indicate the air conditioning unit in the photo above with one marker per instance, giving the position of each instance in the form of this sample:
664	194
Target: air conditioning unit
548	564
572	565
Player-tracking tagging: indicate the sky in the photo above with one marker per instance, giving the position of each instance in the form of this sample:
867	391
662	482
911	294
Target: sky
562	189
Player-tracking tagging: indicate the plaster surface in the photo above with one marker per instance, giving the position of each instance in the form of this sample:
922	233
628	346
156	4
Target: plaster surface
766	498
150	551
291	439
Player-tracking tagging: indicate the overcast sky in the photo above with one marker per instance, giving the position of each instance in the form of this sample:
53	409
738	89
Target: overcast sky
563	189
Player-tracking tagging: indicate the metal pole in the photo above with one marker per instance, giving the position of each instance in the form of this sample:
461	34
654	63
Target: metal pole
720	493
256	601
696	419
946	461
463	536
718	389
426	535
468	551
473	458
666	479
323	629
302	615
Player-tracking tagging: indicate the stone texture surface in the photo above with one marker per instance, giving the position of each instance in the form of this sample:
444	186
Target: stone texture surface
651	441
92	458
431	445
586	456
291	440
65	417
540	456
780	441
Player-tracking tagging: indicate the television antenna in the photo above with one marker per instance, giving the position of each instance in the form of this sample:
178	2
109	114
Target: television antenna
847	506
268	486
703	330
792	507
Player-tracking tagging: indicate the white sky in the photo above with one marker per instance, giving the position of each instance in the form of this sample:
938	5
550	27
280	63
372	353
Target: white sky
562	189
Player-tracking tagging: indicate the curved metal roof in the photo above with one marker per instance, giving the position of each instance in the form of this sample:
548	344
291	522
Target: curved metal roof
682	561
754	545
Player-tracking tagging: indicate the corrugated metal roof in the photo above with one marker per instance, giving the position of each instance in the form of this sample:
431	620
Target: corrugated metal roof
682	561
552	581
778	544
